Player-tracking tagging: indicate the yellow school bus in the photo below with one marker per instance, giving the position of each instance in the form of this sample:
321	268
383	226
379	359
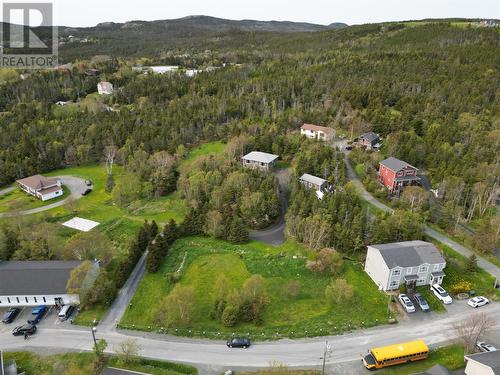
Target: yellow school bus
395	354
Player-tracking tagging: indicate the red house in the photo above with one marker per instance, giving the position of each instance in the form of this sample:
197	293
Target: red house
395	174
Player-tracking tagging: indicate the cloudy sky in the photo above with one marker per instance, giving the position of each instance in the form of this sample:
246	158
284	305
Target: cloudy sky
91	12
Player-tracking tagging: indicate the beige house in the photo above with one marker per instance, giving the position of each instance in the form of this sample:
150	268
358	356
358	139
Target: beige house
483	363
321	133
41	187
259	160
413	263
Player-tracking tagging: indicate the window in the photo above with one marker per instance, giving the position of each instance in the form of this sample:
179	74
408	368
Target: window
423	269
17	299
420	281
436	267
396	272
394	284
35	299
44	300
408	270
26	298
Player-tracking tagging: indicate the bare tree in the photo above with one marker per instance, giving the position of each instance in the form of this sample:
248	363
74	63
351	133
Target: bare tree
472	329
109	158
128	350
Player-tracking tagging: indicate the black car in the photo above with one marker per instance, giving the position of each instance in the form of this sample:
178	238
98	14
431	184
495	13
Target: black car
29	329
11	314
87	191
238	342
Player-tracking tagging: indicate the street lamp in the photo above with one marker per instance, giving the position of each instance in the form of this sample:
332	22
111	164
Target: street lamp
327	352
93	330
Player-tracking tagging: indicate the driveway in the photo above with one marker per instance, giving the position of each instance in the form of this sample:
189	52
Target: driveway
75	185
214	357
483	263
275	235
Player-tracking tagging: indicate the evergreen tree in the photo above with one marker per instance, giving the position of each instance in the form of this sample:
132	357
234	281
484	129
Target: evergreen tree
155	256
471	264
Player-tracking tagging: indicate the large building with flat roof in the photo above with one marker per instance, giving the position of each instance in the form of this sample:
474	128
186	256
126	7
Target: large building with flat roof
33	283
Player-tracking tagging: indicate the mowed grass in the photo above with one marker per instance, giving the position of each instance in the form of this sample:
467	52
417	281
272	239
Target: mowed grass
305	314
19	200
83	363
451	356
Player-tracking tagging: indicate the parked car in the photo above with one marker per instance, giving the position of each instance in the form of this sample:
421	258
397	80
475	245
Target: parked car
406	303
441	294
238	342
484	347
29	329
422	303
87	191
40	312
88	182
11	314
348	148
478	301
65	312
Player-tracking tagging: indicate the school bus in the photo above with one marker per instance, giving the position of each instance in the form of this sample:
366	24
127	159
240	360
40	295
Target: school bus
395	354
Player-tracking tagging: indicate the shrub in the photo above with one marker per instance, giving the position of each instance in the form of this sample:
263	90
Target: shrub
461	287
230	316
328	261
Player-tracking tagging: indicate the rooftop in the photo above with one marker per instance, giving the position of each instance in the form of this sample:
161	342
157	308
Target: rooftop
395	164
262	157
370	136
409	253
37	182
316	128
312	179
35	277
490	359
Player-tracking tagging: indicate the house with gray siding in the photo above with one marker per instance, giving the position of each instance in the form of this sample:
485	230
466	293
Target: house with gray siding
413	263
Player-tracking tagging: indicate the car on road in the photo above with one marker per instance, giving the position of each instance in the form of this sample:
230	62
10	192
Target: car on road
88	182
238	342
441	294
484	347
29	329
422	303
406	302
478	301
87	191
11	314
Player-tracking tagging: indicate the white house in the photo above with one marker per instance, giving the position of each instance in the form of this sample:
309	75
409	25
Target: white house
33	283
321	133
413	263
483	363
105	88
259	160
41	187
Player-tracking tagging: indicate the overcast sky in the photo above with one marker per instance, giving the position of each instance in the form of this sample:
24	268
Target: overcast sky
91	12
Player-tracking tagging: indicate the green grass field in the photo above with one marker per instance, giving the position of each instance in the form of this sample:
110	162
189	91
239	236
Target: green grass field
19	200
451	356
306	314
83	363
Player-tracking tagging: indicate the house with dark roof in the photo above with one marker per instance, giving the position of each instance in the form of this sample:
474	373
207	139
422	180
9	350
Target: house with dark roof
259	160
483	363
369	140
41	187
317	183
321	133
413	263
395	174
33	283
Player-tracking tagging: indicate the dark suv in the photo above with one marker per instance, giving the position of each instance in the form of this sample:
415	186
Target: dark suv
29	329
238	342
38	313
11	314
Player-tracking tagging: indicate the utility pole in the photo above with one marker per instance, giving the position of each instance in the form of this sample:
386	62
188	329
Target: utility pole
327	352
93	330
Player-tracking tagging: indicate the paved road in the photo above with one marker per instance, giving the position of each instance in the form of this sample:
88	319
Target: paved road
7	190
76	187
275	235
483	263
125	295
214	356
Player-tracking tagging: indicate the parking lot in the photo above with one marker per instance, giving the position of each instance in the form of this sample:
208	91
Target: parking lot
50	319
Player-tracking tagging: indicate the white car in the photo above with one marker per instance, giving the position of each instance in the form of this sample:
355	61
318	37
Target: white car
441	294
484	347
478	301
406	303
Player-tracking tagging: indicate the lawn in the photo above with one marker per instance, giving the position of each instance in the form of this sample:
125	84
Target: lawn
305	314
451	356
205	149
19	200
83	363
